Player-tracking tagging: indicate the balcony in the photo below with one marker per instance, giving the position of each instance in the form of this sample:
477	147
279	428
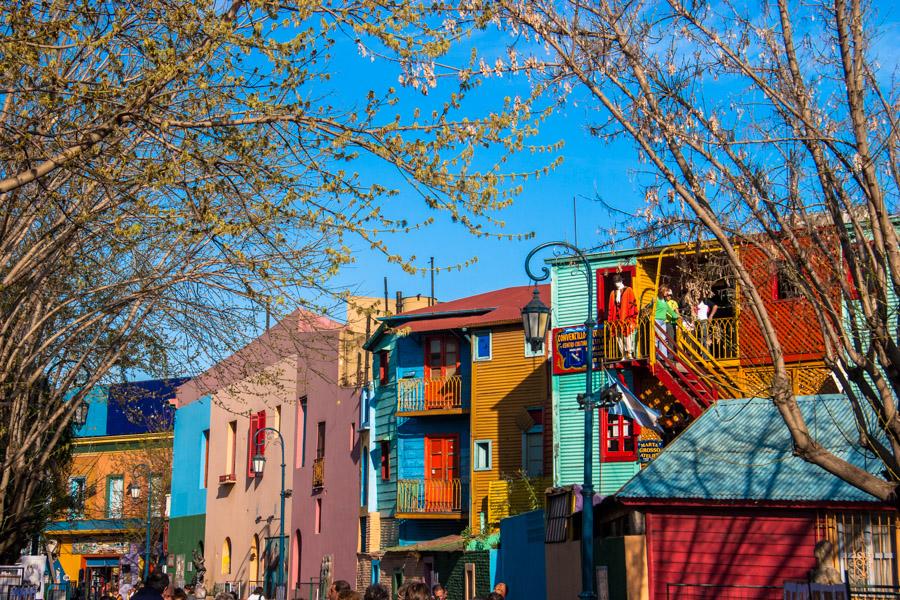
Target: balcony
318	473
430	498
419	397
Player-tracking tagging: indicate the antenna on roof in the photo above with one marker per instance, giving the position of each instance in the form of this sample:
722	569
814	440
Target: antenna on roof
431	299
385	296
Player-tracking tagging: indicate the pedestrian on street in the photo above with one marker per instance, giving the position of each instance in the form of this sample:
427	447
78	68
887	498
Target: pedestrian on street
257	594
438	592
501	589
376	591
416	590
154	587
337	588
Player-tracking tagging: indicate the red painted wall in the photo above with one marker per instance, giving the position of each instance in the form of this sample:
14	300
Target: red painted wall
727	547
795	321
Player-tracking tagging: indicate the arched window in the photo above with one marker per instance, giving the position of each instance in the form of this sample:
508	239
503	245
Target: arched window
226	557
254	561
295	559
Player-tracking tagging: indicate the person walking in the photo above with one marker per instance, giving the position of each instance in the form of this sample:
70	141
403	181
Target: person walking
154	587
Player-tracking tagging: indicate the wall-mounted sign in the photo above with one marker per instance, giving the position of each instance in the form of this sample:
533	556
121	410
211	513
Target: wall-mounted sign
648	449
570	349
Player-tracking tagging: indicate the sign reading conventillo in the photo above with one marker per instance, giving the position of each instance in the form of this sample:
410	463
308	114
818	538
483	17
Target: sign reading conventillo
570	349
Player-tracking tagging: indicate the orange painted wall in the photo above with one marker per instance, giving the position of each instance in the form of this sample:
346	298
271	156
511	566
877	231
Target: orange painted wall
502	389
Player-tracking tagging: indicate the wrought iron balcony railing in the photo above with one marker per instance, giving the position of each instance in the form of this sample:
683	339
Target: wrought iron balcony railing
318	473
435	496
418	394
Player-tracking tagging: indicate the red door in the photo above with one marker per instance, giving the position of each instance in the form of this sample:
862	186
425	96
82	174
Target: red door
442	389
442	492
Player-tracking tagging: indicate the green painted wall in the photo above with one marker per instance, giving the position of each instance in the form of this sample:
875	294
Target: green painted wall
184	535
569	297
451	567
610	552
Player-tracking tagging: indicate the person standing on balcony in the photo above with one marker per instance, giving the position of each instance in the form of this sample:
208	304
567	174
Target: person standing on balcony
623	314
705	310
665	317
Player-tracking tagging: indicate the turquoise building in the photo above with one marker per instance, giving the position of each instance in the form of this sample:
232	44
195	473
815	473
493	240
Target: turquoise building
190	478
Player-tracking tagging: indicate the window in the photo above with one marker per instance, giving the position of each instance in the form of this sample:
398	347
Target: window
483	345
619	438
866	547
376	571
318	515
159	496
352	435
483	455
115	496
533	445
441	357
226	557
77	486
363	535
785	285
384	362
204	452
469	591
256	441
320	440
529	353
277	423
385	460
300	453
364	477
396	582
231	448
559	515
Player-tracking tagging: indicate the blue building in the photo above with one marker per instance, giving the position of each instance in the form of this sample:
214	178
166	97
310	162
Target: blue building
190	478
125	441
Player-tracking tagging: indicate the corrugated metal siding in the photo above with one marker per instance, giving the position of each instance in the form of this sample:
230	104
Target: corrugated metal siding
568	428
614	475
505	386
750	548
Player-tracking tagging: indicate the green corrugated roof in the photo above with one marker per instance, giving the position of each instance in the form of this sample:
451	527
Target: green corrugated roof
741	450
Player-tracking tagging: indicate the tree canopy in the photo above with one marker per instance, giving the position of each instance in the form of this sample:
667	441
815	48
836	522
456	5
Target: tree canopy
170	167
764	125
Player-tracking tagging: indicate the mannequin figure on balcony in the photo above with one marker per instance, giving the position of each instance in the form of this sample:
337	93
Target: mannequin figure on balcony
623	315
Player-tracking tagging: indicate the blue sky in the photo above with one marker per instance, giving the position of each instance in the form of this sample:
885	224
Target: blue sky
545	207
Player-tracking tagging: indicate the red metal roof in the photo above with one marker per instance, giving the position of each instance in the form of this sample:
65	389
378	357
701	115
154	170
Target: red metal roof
499	306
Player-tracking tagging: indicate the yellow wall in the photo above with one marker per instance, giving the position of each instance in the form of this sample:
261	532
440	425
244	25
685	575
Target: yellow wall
636	571
502	389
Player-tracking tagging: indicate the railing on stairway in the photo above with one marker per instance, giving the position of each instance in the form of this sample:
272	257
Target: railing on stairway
701	355
683	377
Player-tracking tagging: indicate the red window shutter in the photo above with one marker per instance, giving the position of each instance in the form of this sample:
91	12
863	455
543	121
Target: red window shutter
260	424
251	440
385	461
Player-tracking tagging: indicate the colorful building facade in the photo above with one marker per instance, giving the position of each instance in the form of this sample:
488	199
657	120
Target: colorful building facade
126	440
190	482
457	438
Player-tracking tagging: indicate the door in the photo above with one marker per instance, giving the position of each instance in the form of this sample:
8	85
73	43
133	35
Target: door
442	389
442	493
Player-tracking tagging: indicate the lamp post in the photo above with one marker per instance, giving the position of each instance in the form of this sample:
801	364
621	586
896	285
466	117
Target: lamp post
259	463
536	320
134	490
79	417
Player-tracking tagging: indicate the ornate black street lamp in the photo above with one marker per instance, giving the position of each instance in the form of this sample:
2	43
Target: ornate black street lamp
259	463
536	320
134	490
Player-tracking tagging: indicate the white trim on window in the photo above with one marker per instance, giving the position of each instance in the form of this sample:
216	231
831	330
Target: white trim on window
483	451
477	356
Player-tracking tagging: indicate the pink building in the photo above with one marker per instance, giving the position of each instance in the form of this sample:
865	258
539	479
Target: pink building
297	378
